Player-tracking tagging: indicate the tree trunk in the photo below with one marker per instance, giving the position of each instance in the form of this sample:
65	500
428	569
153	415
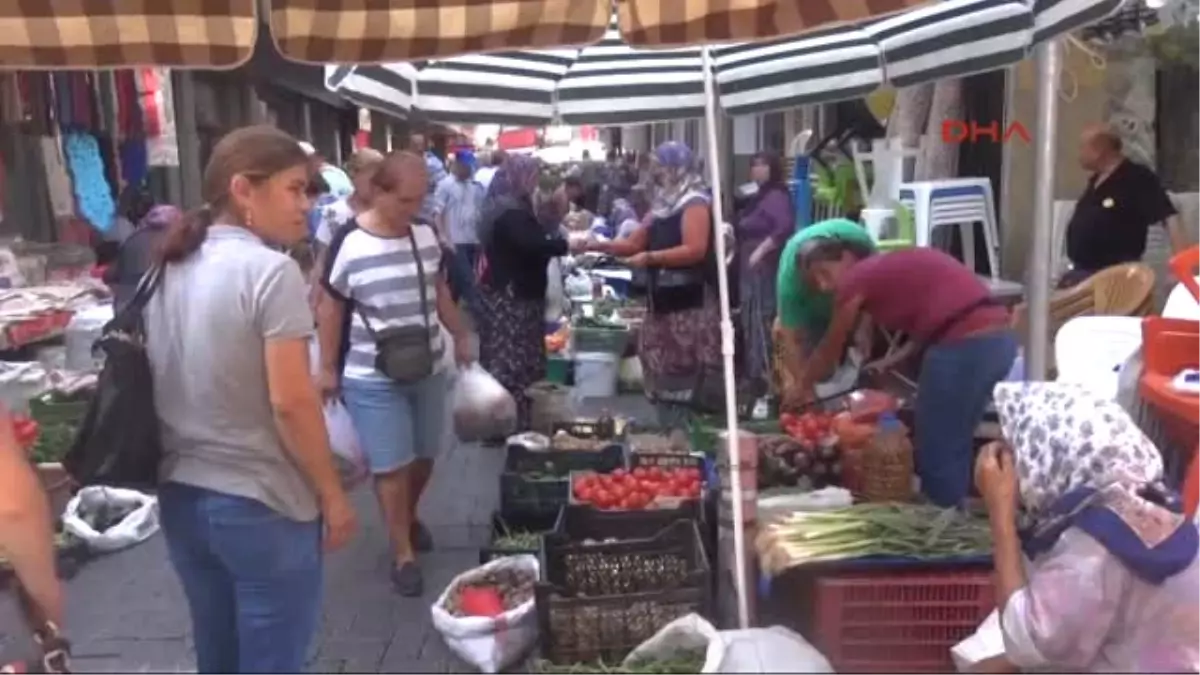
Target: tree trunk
910	113
940	159
1178	127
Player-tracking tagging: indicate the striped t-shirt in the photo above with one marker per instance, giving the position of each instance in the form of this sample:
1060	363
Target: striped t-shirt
379	276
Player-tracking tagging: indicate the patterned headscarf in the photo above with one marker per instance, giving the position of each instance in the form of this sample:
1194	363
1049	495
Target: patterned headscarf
1081	461
512	186
679	182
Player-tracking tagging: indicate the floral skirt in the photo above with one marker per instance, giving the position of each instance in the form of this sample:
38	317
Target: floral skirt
512	343
681	357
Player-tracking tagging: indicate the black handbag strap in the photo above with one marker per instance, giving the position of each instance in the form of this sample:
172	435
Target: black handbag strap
130	317
412	240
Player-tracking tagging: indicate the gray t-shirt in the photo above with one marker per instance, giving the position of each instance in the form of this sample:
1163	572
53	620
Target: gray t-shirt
206	331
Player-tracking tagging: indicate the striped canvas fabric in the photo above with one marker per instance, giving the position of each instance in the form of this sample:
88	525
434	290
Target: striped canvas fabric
613	83
953	39
947	39
61	34
1052	18
386	88
382	31
829	65
511	88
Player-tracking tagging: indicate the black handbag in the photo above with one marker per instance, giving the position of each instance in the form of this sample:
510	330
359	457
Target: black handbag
119	443
405	353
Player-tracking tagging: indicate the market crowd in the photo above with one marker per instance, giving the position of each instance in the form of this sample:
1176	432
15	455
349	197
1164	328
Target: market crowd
411	256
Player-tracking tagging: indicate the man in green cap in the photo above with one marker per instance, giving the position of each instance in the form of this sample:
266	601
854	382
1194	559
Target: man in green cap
804	311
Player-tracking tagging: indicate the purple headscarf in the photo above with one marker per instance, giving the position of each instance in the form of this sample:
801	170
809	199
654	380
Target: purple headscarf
512	186
679	182
161	216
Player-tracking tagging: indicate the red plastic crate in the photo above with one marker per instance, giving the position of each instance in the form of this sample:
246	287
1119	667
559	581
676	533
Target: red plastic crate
898	622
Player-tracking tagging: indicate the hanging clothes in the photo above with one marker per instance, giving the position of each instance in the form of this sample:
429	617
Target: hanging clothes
11	110
92	189
158	116
58	179
37	102
130	122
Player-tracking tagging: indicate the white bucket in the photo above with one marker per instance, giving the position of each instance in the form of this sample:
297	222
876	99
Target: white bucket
596	374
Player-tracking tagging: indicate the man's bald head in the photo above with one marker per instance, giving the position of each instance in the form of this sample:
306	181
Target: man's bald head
1100	148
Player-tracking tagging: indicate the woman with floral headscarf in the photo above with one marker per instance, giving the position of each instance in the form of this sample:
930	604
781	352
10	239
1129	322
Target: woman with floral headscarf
516	247
680	341
1112	580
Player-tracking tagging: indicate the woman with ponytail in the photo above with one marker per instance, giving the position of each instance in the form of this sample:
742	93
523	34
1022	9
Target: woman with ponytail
250	495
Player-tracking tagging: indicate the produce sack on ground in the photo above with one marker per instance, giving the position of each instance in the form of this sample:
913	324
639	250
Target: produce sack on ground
343	441
686	636
770	650
490	643
110	519
483	408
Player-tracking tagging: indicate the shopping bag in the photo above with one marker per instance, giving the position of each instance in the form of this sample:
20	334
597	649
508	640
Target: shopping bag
770	650
118	443
110	519
483	408
489	643
689	633
343	441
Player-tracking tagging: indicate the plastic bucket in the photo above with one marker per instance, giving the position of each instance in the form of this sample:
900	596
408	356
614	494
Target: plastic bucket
596	374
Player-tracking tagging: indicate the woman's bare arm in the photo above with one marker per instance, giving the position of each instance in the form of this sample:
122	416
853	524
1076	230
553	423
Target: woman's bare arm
623	248
26	527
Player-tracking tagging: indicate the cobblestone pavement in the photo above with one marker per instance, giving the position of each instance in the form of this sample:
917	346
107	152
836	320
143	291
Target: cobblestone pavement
126	612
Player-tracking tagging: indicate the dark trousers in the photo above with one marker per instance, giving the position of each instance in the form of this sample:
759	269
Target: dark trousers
462	274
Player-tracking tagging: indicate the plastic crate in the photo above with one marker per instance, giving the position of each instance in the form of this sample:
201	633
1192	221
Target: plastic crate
577	522
519	459
663	460
501	526
599	601
673	558
48	411
523	498
596	429
585	630
602	340
871	622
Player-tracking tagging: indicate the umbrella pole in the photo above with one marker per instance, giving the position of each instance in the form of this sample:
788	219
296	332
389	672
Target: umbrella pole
1048	57
733	447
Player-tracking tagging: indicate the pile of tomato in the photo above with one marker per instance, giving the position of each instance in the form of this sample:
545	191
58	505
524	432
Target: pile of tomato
637	489
25	430
809	427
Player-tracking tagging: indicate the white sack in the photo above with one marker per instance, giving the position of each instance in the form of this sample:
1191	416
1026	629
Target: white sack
490	644
137	526
770	650
987	642
483	408
685	634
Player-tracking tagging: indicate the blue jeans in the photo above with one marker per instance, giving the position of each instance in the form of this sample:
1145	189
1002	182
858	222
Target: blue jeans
462	274
953	390
252	578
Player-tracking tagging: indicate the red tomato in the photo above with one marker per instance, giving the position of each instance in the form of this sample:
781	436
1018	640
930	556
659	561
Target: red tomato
656	473
602	498
639	472
694	490
618	473
480	601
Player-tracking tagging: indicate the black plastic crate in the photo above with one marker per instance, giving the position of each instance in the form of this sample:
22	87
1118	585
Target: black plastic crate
519	459
577	522
589	629
667	460
603	429
673	558
502	527
523	498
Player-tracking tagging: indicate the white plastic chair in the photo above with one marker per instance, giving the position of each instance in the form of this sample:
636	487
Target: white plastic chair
955	202
1090	350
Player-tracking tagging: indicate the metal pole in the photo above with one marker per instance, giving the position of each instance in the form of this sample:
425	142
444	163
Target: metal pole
1004	207
712	118
1049	69
188	138
306	125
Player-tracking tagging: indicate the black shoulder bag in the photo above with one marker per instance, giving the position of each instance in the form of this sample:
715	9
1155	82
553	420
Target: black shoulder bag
405	353
119	443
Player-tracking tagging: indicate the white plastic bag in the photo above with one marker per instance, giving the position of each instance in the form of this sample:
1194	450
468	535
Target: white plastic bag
770	650
489	643
343	441
687	633
137	517
483	408
987	642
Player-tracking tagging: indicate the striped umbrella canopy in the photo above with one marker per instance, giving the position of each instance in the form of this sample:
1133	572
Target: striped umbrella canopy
603	83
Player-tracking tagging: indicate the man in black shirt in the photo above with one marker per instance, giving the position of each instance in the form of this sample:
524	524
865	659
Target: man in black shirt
1114	214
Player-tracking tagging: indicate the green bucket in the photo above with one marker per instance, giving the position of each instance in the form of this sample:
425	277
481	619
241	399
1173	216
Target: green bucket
558	370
